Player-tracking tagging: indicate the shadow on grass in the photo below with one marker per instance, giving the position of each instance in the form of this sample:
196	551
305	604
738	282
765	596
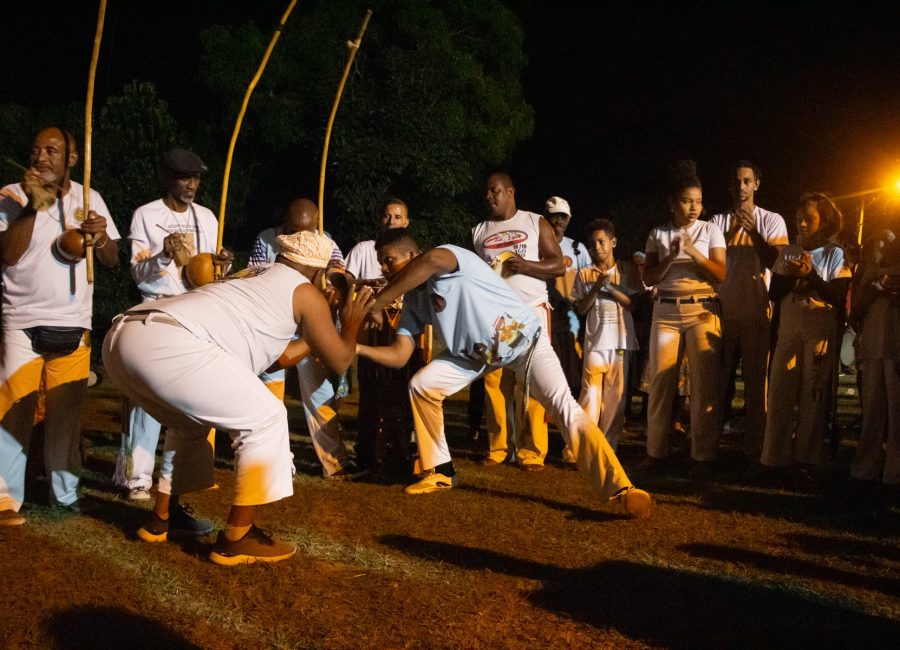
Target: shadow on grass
791	566
574	511
96	628
840	546
834	509
673	607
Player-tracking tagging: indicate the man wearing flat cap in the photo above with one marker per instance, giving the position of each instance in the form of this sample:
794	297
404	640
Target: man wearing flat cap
164	235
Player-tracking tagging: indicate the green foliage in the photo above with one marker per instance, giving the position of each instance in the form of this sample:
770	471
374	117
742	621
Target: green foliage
434	98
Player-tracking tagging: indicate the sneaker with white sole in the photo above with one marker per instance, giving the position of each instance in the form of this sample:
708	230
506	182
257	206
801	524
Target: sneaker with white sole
637	503
11	518
432	482
256	546
139	494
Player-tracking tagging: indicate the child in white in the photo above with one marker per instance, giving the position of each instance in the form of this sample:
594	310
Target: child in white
609	332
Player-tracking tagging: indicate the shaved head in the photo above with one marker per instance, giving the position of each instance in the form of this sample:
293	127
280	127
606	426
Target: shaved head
502	178
301	214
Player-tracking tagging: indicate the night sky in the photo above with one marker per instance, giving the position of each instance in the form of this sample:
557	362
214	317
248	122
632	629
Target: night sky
811	93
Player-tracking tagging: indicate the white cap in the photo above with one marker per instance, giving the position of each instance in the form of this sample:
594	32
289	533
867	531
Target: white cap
556	205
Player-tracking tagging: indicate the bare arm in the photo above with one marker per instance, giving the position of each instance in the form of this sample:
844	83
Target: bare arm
437	261
713	267
551	264
394	355
311	311
295	351
106	249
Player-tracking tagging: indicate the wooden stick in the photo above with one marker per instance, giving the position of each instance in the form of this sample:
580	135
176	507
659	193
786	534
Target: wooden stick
88	130
354	48
240	119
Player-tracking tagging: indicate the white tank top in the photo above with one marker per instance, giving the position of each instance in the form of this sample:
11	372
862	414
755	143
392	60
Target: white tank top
249	314
521	235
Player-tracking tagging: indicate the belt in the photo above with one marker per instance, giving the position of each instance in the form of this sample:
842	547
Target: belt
151	316
690	300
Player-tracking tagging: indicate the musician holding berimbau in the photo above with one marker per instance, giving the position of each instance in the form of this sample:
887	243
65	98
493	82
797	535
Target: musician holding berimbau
47	303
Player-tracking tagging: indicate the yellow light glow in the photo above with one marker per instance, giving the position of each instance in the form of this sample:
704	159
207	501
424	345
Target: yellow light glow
897	186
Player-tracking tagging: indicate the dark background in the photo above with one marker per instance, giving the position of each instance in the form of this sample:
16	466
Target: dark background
810	92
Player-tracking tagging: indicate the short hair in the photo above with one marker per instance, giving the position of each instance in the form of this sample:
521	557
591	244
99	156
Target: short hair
506	178
749	165
392	200
600	224
831	219
396	236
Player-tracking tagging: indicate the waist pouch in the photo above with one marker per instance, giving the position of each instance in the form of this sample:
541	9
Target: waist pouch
47	339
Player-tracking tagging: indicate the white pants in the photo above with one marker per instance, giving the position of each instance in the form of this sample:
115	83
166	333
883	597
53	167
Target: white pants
64	378
878	452
801	382
447	375
320	410
696	329
528	440
191	384
603	390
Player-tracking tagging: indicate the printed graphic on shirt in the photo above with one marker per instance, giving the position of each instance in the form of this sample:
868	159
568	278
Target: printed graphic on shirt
515	240
507	332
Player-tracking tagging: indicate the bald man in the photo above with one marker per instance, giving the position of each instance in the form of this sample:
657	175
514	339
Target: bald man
316	389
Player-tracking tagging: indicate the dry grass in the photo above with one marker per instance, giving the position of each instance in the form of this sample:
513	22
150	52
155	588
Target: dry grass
509	560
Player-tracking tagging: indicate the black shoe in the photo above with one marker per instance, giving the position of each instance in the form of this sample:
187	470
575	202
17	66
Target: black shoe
154	529
256	546
183	522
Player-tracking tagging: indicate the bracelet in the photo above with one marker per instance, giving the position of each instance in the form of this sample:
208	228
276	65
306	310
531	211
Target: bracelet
105	242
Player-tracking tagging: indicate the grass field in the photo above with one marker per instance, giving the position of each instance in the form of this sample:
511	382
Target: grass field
511	559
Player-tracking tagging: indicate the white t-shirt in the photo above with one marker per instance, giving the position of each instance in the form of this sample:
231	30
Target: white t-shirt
156	275
804	310
519	234
745	291
42	289
683	277
608	325
362	261
249	314
574	259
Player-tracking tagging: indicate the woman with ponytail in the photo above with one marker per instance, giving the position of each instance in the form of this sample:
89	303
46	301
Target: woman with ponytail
686	262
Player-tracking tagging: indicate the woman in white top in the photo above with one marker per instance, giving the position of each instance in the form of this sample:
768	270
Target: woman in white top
686	261
809	282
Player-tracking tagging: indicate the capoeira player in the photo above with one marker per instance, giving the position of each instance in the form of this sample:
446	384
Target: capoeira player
193	362
485	325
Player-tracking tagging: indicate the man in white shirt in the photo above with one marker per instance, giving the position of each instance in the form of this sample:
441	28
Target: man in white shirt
523	248
754	237
165	233
46	318
385	421
565	328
